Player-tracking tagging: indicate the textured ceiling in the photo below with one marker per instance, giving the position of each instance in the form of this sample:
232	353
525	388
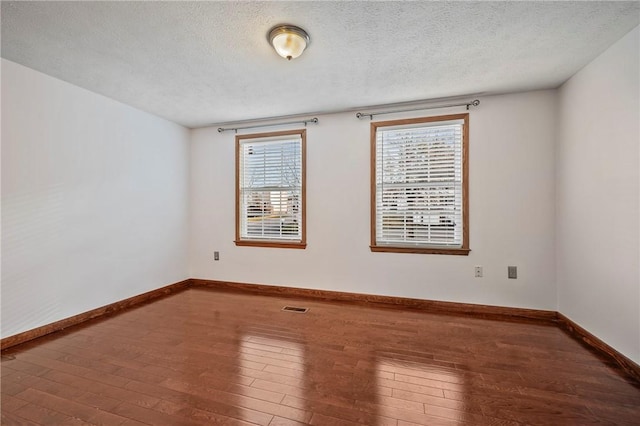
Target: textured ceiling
199	63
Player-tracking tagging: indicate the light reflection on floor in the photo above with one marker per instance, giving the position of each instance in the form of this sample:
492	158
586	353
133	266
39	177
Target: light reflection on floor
412	392
276	367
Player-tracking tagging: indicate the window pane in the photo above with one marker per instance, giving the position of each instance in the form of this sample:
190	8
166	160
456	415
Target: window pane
418	184
270	187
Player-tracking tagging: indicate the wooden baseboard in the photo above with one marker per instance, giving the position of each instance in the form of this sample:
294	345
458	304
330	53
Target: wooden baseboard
450	308
25	336
591	341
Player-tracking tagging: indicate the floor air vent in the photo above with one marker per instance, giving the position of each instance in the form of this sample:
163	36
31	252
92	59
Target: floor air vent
295	309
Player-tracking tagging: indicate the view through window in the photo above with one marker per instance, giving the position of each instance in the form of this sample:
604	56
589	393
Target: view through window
419	189
270	189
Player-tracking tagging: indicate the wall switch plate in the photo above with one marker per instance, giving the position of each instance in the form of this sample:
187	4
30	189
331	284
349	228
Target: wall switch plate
216	255
512	272
478	271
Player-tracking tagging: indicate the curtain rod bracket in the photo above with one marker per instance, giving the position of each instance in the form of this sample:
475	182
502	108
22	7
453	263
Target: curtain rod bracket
475	102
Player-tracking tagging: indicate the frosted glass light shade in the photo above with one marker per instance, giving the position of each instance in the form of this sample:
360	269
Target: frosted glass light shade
289	41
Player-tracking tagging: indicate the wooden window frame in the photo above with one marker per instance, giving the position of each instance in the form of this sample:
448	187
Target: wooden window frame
303	204
464	249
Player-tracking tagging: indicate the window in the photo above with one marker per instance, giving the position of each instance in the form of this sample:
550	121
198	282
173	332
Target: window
270	189
419	188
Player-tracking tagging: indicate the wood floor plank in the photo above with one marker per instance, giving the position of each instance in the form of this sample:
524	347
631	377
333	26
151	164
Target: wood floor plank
279	421
10	418
114	392
258	405
188	413
199	402
150	416
69	408
433	401
11	403
18	382
324	420
204	356
37	414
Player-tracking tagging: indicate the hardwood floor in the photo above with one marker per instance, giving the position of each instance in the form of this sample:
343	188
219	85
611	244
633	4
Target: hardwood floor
202	357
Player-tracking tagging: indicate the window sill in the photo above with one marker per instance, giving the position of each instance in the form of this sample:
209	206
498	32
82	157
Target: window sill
418	250
271	244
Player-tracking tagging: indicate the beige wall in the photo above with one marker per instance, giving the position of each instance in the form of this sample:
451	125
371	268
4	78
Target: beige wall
511	206
94	200
598	192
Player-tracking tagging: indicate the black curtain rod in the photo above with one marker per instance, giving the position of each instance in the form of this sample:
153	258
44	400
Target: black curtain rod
305	122
468	104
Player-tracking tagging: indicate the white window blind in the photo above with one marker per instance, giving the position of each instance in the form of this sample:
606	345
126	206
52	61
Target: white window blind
418	184
270	189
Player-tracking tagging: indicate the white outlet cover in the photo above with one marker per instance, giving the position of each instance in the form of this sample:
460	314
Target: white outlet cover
478	271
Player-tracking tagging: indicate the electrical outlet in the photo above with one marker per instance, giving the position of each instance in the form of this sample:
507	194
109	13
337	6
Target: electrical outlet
478	271
216	255
512	272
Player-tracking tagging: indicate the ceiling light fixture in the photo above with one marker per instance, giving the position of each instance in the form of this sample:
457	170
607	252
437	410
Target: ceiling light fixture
289	41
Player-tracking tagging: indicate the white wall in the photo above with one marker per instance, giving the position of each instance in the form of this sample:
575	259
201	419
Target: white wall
94	200
511	213
598	218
